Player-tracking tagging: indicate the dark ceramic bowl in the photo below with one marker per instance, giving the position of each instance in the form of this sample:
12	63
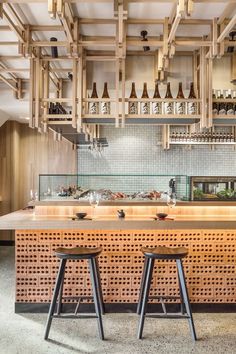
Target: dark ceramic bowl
81	215
161	216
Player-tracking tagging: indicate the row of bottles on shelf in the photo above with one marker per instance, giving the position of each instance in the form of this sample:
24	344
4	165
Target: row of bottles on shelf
56	109
202	137
223	108
177	107
105	105
157	107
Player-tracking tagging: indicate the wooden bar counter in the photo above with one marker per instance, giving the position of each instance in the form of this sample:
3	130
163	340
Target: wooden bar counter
209	232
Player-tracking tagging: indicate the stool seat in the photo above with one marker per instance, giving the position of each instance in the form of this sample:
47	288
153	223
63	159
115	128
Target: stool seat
162	252
77	252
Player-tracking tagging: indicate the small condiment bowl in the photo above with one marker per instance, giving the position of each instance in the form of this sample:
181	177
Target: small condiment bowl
161	216
81	215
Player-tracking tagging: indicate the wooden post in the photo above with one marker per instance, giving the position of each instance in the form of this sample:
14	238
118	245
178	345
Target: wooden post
45	95
210	119
32	94
79	97
74	91
203	86
117	93
123	94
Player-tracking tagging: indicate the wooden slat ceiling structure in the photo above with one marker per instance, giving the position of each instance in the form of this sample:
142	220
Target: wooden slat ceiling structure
107	28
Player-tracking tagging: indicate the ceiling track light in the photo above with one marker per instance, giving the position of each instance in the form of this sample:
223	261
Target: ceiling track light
54	49
144	39
70	76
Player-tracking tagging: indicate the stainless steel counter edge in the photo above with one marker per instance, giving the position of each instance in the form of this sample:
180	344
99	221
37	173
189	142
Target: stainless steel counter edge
25	220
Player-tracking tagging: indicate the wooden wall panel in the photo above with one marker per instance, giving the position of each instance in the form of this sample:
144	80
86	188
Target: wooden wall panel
24	154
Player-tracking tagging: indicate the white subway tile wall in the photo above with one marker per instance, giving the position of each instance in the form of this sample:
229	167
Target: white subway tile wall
136	150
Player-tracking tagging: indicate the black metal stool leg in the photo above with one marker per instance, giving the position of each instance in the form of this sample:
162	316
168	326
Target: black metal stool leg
181	296
54	297
147	284
96	298
99	285
141	286
59	303
186	298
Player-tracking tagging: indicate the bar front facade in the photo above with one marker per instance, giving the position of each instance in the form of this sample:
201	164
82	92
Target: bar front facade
118	173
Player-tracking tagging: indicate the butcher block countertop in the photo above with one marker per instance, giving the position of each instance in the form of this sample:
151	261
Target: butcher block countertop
28	220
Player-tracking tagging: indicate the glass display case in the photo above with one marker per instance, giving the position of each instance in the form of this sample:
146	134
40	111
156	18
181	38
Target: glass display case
111	187
213	188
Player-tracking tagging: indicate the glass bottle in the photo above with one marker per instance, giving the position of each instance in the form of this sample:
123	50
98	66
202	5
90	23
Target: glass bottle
229	105
215	106
168	106
156	106
133	106
145	106
222	105
94	106
105	106
192	106
180	107
234	98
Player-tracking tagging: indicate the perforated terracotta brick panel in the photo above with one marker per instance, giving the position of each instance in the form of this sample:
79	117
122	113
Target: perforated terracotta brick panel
210	266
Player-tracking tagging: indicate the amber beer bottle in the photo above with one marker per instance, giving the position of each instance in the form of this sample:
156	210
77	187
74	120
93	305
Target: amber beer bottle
180	107
156	106
145	106
105	106
168	106
133	106
94	106
192	106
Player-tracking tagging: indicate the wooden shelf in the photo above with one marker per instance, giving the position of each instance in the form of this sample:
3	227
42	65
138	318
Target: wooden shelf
163	100
58	116
164	116
218	100
228	116
200	143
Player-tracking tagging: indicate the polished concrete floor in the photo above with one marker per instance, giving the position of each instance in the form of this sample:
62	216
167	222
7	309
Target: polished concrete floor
23	333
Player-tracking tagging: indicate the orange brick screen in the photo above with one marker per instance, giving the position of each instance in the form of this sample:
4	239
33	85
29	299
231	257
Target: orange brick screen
210	267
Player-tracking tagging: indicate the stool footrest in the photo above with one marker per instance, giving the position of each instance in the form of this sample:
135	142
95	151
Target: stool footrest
169	315
75	316
77	298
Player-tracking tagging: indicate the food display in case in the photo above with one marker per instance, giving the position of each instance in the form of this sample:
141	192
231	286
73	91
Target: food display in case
213	188
112	187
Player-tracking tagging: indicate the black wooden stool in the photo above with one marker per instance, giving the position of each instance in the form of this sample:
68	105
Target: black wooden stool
164	253
77	253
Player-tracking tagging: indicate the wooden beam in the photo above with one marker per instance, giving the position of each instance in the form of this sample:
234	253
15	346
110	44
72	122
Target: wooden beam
227	29
32	93
117	90
214	37
14	16
190	7
2	78
180	13
4	67
13	27
165	37
228	10
209	92
74	92
111	1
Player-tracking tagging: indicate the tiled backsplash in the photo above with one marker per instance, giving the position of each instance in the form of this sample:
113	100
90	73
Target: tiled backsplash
137	150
